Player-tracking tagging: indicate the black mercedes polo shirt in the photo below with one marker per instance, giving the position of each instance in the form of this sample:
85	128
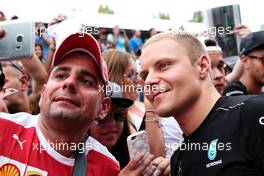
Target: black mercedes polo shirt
229	142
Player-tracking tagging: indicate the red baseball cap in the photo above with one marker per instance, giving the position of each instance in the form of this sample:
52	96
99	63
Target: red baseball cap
81	42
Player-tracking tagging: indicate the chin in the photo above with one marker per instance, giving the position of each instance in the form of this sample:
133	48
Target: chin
64	114
163	112
109	145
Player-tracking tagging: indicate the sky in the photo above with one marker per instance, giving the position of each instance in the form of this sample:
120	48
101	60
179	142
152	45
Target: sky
130	11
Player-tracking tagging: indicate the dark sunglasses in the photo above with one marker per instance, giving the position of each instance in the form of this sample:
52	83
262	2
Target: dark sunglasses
256	57
119	115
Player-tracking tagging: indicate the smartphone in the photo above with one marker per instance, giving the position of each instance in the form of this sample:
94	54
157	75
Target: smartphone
19	40
138	143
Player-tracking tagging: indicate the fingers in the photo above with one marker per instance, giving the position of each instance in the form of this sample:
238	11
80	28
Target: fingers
167	171
163	166
241	26
134	162
241	30
131	166
143	164
157	172
139	165
58	19
149	171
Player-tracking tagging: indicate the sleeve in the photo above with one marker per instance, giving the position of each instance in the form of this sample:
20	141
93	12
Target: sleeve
252	120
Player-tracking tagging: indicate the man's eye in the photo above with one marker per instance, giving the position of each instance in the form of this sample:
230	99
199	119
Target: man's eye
220	66
60	76
129	75
87	82
163	66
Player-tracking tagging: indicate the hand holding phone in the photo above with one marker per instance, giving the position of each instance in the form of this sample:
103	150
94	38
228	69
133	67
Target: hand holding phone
18	41
138	143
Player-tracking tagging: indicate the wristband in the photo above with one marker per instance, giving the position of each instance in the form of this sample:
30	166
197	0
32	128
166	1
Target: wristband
151	110
149	119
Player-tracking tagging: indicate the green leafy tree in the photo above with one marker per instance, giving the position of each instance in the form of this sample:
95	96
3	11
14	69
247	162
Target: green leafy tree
197	17
163	16
105	9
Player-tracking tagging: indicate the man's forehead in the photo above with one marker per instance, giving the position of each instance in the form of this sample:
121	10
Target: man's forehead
79	58
215	54
81	69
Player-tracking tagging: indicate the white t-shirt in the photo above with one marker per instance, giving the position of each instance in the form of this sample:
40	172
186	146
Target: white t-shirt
172	135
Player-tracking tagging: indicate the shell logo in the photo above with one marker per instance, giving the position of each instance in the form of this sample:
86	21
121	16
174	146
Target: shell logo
9	170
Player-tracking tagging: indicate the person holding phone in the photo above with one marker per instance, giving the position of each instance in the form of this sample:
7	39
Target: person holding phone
113	130
69	103
119	38
56	141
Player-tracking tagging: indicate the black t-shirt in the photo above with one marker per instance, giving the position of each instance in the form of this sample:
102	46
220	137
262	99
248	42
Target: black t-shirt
235	88
229	142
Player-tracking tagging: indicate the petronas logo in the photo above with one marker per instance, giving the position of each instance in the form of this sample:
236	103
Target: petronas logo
212	150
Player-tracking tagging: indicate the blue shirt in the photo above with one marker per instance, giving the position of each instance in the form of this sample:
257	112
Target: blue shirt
44	45
134	44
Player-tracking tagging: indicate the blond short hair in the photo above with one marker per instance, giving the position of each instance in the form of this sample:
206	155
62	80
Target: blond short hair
192	45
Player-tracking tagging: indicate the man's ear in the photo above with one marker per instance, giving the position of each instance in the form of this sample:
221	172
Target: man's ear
25	82
245	61
203	66
42	94
105	107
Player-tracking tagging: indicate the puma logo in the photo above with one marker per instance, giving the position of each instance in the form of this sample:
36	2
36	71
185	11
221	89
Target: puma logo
19	142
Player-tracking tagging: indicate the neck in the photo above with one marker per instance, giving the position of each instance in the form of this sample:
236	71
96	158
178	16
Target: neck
250	84
21	105
25	105
192	118
59	136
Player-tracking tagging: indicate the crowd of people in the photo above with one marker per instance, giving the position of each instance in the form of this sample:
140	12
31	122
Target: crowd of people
69	109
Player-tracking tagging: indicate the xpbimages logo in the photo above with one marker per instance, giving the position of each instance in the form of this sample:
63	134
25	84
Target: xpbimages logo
93	30
208	32
62	146
147	89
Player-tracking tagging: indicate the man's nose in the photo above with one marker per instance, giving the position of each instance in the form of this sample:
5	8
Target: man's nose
70	84
217	74
151	79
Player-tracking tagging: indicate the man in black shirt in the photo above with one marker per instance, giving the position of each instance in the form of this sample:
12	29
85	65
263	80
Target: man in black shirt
228	142
252	58
223	135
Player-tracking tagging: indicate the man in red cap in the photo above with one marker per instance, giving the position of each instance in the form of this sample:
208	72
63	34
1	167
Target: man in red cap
56	142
